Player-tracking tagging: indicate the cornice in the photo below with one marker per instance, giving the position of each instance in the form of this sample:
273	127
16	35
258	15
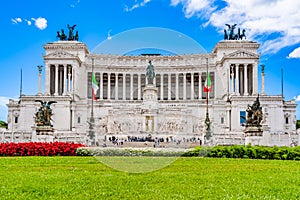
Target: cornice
236	44
61	55
142	61
66	45
240	54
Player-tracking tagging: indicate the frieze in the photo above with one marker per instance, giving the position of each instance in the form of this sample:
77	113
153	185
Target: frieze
60	54
138	61
242	54
236	45
66	45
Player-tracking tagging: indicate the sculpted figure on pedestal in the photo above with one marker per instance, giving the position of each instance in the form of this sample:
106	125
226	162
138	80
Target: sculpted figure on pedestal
150	74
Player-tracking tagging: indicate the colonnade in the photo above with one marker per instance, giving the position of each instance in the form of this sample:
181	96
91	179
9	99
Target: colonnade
241	79
129	86
61	80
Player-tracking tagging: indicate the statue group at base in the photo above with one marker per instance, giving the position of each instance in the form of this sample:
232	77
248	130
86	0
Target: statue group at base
254	131
254	114
43	115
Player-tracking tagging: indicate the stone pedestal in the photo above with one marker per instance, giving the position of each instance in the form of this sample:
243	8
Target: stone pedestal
253	136
150	109
42	134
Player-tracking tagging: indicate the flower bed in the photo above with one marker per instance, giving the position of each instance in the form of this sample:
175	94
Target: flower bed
39	149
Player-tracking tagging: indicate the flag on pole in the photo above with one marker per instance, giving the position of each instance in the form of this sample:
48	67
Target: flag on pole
207	86
95	86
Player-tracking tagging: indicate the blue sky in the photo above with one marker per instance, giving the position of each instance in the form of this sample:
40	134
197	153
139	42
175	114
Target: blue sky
25	26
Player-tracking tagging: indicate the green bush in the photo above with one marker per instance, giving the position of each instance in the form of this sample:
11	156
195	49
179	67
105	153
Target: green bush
83	152
255	152
200	151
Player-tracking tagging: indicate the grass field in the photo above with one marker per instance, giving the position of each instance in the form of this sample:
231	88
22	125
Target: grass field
186	178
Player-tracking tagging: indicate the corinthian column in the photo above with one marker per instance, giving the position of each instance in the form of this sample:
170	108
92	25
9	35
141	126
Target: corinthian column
184	86
192	85
56	80
124	86
161	86
108	86
116	86
246	80
200	85
237	91
101	85
232	80
139	87
177	88
255	78
64	80
169	87
131	86
69	80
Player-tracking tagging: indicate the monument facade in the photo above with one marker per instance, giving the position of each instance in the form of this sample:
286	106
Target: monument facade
165	101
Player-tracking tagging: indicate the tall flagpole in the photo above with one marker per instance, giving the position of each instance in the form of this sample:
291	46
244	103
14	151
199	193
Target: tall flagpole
21	83
92	120
92	111
207	120
282	83
207	115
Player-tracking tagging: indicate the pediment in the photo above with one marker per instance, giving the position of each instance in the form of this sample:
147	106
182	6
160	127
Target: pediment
242	54
60	55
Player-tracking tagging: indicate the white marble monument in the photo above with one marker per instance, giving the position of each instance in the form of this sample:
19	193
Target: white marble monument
174	105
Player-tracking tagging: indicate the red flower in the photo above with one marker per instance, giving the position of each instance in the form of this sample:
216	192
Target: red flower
38	149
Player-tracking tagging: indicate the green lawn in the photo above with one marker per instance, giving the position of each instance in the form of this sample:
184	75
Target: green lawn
186	178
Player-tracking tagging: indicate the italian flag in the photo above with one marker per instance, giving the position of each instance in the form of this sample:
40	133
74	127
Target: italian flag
207	85
95	86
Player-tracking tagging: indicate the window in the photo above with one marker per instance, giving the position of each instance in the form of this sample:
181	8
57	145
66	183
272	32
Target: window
222	120
16	120
286	120
78	120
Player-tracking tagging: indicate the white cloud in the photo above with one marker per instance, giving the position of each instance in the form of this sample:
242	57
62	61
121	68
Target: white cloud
295	53
199	8
297	98
28	22
40	23
136	5
16	20
275	23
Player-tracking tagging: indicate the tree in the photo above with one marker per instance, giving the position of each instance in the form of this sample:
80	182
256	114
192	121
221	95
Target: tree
3	124
298	124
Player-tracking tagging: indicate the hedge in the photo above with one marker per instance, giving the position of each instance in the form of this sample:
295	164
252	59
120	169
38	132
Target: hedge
236	151
256	152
